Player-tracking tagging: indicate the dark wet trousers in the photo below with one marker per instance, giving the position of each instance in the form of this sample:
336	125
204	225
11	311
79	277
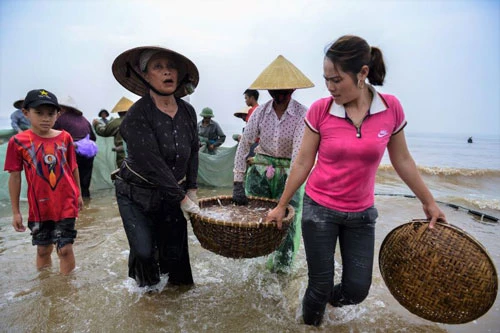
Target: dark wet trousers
321	227
157	235
85	166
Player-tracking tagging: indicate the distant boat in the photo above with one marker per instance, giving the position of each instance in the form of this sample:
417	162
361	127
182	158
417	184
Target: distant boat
470	139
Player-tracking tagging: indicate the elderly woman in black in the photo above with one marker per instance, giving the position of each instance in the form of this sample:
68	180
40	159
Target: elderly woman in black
156	185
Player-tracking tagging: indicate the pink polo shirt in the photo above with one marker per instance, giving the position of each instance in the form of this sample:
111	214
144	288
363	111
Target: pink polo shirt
344	175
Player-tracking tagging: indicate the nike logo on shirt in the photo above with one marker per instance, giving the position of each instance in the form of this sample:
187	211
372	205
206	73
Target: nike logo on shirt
382	133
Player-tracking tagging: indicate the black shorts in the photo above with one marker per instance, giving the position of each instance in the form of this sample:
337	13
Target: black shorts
51	232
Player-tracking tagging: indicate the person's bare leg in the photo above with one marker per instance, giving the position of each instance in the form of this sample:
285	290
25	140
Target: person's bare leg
43	258
66	259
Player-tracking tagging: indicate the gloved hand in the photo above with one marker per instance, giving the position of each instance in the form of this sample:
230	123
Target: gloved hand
239	196
188	206
191	193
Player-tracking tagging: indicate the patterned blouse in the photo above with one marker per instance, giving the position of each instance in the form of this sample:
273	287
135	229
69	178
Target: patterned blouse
278	137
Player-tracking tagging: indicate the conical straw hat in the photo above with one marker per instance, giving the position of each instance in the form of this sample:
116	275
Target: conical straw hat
242	112
128	62
281	74
123	105
69	103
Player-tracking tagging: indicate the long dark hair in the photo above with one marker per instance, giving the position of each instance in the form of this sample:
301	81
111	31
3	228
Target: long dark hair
353	52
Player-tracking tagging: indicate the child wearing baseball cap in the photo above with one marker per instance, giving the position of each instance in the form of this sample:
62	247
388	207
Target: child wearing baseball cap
48	159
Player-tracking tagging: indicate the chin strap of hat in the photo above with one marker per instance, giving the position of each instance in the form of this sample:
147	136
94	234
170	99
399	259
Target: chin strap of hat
146	83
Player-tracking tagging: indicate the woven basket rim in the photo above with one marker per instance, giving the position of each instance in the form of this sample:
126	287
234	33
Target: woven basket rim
452	230
450	226
247	225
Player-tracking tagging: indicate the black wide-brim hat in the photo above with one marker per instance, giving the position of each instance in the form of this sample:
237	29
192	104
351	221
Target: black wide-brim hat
18	104
127	63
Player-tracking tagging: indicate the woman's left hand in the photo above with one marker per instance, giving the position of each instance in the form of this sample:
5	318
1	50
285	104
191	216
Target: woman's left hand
434	213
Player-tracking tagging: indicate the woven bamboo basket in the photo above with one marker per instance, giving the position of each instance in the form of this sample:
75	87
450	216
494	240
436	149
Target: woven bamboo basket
236	239
442	274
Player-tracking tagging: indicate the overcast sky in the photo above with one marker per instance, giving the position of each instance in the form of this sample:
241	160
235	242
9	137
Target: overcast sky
442	57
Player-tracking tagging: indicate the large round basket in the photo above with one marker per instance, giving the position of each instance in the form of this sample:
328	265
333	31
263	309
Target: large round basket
237	238
441	274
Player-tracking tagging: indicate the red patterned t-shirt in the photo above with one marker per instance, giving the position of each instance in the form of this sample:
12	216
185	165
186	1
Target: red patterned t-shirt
48	164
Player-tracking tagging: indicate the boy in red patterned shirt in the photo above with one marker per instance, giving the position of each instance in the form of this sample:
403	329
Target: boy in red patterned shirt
48	159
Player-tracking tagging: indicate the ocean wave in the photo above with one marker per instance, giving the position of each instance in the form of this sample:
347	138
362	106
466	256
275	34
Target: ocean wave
488	204
446	171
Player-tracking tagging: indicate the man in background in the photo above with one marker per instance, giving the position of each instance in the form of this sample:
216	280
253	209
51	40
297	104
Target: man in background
210	133
251	98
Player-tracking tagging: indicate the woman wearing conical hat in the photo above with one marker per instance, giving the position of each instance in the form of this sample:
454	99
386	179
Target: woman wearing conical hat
112	128
156	183
279	123
72	120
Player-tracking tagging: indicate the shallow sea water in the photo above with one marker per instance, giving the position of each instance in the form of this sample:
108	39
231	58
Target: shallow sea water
228	296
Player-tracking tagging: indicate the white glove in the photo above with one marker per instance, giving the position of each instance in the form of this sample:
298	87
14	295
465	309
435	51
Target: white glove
188	206
192	195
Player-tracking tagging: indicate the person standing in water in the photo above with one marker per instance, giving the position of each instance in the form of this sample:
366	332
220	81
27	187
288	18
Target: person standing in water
71	120
157	183
344	141
48	159
279	123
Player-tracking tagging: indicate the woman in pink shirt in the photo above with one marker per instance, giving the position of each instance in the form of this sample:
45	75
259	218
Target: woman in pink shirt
344	141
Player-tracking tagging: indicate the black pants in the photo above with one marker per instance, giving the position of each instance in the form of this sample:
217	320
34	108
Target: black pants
157	235
85	166
321	227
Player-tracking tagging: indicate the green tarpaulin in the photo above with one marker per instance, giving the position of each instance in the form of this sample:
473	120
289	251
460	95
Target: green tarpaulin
217	169
213	170
104	164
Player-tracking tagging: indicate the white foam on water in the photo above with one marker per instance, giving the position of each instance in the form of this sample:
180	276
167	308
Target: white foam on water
110	272
131	286
344	315
9	296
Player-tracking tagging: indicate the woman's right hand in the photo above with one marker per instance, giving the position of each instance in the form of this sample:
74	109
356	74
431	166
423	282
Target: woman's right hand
434	214
188	206
276	215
